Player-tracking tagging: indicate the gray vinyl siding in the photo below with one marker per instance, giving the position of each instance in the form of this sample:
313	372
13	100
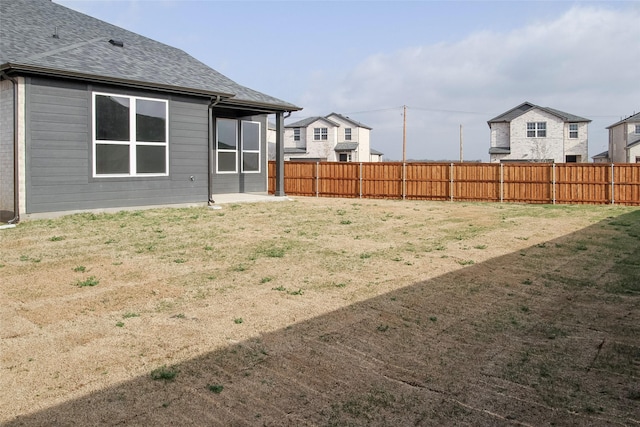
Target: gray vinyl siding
59	152
6	151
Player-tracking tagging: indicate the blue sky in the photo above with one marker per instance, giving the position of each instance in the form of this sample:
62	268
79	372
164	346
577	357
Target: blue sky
451	63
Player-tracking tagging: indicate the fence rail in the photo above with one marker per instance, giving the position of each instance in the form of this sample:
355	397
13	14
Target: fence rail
568	183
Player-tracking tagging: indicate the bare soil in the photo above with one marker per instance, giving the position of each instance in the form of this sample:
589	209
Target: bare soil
323	312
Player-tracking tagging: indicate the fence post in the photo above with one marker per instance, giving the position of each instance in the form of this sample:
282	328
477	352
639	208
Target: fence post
613	199
451	181
317	179
361	180
404	180
553	183
501	182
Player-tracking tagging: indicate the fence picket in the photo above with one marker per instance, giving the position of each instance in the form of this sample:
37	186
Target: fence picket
581	183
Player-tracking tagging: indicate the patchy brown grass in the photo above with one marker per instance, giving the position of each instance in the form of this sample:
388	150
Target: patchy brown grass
323	312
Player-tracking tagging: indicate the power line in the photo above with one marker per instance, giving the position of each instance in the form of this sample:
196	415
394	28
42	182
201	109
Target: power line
375	111
438	110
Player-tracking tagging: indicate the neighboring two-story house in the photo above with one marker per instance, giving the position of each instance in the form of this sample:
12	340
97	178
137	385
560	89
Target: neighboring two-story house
624	141
330	138
530	133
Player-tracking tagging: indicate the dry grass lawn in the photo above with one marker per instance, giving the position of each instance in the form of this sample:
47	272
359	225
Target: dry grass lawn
323	312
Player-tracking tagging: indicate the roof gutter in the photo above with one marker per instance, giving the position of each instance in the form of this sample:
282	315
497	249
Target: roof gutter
16	163
261	107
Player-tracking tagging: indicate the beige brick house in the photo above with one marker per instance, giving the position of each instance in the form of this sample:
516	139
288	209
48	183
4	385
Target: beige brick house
624	140
333	138
530	133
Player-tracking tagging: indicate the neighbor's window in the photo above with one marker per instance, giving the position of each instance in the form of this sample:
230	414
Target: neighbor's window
573	130
130	136
344	157
320	134
227	145
347	134
638	129
536	129
250	147
296	134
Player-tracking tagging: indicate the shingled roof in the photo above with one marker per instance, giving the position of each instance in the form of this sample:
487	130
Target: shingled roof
526	106
634	118
309	120
42	37
349	119
346	146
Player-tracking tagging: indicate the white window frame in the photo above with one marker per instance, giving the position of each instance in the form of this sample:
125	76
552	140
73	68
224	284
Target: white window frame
347	134
539	129
132	143
573	130
320	134
226	150
242	122
637	129
296	134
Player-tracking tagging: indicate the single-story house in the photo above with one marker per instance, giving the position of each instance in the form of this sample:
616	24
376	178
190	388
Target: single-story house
601	157
94	116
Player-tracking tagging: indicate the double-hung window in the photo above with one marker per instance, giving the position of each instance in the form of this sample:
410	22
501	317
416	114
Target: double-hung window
296	134
347	134
637	129
320	134
250	147
573	130
536	129
227	145
130	136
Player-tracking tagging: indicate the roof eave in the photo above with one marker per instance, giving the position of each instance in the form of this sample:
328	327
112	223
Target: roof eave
53	72
267	107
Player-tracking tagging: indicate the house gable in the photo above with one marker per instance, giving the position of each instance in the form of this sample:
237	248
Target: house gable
527	106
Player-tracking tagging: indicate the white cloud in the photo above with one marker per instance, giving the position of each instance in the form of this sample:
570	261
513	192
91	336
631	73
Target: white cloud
584	62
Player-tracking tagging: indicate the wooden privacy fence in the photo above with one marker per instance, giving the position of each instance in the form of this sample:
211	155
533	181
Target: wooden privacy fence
573	183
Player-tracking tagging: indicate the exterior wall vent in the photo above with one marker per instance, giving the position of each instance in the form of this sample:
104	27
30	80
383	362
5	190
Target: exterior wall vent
118	43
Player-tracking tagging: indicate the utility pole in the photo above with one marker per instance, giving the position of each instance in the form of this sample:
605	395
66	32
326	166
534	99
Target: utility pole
461	144
404	152
404	133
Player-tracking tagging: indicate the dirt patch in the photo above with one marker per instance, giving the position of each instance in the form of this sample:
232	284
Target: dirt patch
323	312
